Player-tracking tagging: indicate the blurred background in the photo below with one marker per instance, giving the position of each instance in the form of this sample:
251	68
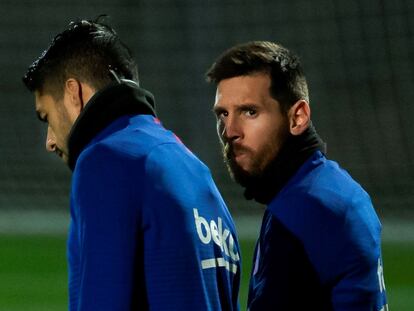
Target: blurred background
358	57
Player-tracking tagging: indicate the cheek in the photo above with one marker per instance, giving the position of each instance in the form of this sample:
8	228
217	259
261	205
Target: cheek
266	151
259	134
61	127
268	139
52	125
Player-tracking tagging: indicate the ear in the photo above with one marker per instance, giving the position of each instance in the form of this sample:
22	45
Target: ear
299	117
73	93
78	95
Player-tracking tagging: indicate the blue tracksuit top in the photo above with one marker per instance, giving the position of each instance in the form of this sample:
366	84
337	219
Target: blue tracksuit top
319	246
149	229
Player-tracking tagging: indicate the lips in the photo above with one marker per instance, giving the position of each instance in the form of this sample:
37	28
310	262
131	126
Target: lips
234	151
237	155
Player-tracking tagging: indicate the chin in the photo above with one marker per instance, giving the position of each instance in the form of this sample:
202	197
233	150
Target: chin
238	174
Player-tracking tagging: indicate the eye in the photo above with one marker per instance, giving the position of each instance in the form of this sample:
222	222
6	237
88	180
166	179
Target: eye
250	112
220	114
42	117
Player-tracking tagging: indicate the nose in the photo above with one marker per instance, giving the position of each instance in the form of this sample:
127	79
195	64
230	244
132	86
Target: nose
50	140
229	129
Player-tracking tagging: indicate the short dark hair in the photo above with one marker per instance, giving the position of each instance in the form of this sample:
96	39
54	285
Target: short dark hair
86	50
288	80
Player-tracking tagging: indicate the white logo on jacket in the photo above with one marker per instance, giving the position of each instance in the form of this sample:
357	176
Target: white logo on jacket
222	237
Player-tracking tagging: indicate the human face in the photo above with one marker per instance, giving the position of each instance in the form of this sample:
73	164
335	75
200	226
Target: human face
55	114
250	125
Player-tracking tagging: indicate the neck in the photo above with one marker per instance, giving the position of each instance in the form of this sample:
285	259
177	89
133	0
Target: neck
294	153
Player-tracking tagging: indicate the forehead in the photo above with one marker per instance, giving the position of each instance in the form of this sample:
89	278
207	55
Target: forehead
244	89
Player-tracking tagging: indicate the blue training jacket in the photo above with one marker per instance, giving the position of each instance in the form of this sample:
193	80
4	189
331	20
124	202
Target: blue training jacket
149	229
319	246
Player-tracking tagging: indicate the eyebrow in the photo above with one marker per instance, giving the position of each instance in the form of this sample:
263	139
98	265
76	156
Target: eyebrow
217	109
248	106
239	107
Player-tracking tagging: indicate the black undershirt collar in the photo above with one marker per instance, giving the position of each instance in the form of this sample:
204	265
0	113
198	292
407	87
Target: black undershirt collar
105	106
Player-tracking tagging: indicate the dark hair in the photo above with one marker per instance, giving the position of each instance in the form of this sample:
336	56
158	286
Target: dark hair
86	50
288	81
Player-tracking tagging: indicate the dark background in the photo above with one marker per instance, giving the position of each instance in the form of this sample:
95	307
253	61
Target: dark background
358	56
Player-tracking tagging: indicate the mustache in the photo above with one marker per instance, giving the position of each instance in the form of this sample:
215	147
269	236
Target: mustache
230	149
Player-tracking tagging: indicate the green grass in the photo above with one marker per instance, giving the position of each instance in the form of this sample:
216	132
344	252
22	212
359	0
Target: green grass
33	273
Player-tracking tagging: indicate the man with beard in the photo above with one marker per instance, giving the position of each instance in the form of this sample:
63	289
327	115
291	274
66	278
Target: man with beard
149	230
319	246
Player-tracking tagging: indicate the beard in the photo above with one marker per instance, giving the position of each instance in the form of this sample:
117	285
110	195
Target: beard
65	126
259	160
258	165
237	173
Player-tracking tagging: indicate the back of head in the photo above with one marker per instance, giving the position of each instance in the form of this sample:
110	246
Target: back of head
286	73
86	51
